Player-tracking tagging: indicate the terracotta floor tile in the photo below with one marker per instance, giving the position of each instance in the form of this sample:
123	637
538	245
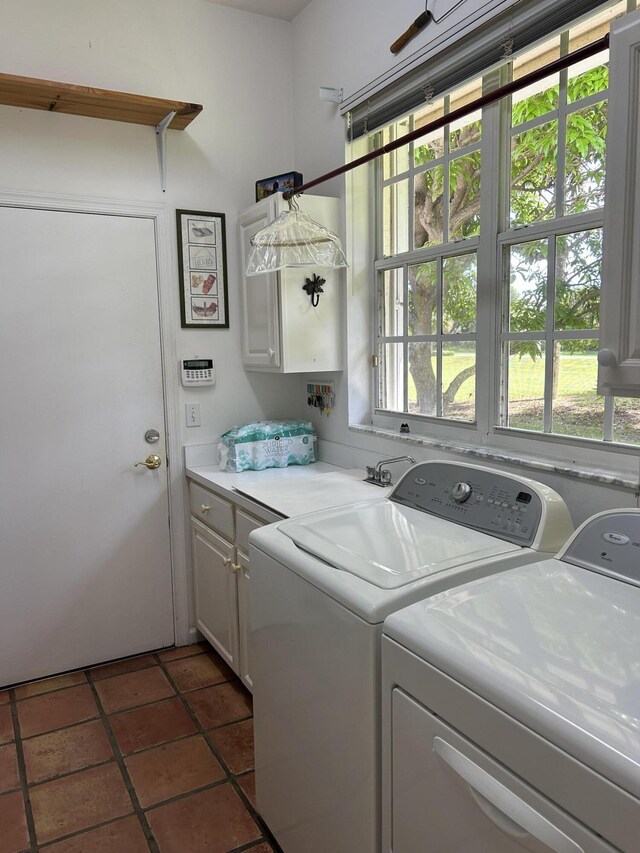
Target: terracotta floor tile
119	667
248	785
14	836
212	821
133	688
50	711
151	725
66	750
9	777
183	651
261	848
47	685
79	801
176	768
123	836
200	671
235	744
224	703
6	724
4	697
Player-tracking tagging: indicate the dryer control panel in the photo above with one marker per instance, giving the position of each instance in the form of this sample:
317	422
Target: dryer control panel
478	498
608	543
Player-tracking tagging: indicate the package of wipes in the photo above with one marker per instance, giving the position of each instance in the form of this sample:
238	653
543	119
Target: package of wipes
267	444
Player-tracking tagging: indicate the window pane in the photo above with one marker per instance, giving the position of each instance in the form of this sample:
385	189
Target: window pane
525	378
422	378
466	131
423	299
534	161
626	420
430	147
578	278
395	219
459	289
577	409
459	380
392	305
391	377
585	158
429	198
528	286
535	100
396	161
587	78
464	196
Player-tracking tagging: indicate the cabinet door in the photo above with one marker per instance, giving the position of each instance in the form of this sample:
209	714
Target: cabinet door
215	596
244	626
260	308
619	356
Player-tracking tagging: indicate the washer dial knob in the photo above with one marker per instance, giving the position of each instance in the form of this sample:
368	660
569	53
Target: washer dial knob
461	492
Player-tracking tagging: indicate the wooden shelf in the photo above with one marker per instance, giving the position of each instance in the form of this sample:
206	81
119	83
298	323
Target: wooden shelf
67	98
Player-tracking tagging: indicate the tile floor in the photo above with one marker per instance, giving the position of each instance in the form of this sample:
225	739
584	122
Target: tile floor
153	753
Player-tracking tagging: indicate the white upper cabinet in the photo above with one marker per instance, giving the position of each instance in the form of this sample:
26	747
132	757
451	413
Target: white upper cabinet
281	331
619	355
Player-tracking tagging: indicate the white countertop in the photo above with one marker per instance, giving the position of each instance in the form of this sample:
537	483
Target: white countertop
294	490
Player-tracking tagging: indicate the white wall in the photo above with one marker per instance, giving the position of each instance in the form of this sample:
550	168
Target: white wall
345	44
237	64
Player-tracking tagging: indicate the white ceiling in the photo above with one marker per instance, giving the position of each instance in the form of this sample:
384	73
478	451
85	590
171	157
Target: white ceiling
286	10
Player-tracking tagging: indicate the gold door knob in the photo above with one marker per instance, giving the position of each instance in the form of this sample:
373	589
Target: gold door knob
153	461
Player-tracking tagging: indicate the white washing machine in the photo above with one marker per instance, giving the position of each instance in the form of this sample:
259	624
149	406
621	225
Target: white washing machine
321	587
511	706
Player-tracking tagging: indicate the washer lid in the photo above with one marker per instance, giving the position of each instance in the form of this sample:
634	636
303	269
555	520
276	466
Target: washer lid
555	646
390	545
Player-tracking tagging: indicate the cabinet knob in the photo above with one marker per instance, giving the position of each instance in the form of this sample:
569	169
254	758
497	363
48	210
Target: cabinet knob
205	508
607	358
235	567
226	561
271	352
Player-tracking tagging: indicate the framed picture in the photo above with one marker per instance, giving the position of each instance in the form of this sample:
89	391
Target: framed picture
277	184
202	261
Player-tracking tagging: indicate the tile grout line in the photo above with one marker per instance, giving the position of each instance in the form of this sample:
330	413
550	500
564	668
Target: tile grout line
231	777
22	772
138	810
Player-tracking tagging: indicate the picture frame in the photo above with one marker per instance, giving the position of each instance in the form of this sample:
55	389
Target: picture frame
202	264
277	184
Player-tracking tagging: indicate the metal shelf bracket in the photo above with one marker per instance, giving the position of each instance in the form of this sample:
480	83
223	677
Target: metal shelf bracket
161	142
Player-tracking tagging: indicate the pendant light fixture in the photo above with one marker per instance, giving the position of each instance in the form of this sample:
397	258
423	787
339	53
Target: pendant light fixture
294	239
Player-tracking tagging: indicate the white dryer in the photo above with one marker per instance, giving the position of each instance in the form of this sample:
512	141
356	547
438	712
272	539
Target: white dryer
321	587
511	706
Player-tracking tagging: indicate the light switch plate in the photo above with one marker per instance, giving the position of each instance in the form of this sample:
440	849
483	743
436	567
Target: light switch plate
192	414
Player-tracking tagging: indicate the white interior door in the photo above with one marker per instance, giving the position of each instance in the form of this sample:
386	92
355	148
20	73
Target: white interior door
85	565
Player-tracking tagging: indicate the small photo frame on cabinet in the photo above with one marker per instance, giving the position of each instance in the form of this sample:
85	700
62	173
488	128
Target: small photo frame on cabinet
277	184
202	261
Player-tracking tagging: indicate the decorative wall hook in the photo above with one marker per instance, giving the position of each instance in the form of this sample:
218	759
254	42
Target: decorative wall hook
313	288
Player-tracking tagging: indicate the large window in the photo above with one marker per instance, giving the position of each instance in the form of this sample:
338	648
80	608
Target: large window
501	209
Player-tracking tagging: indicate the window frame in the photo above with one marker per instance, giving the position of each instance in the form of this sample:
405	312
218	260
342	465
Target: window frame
490	246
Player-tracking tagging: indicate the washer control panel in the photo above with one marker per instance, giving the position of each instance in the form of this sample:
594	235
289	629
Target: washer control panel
608	543
484	500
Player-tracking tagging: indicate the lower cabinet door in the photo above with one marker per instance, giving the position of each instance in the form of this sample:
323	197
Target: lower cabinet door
244	626
215	591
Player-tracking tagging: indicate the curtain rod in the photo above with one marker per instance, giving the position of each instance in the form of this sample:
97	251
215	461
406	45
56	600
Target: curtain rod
461	112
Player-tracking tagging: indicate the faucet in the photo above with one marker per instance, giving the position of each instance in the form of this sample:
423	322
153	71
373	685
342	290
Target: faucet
382	476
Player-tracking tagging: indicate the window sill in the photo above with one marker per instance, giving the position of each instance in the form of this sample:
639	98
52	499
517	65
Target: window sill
492	454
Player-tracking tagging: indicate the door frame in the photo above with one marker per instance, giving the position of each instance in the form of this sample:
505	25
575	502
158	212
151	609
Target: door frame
169	324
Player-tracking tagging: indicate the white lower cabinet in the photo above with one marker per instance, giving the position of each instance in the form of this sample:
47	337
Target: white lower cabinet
219	548
215	591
